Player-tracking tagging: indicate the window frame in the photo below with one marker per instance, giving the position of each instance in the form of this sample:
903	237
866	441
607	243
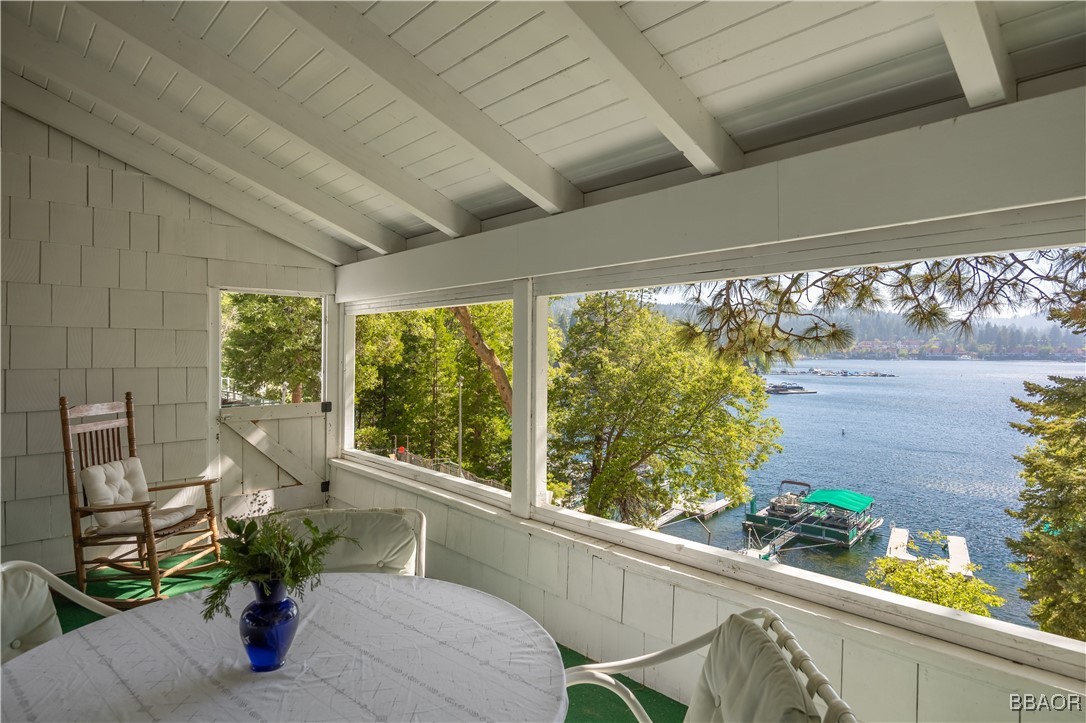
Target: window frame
327	374
377	464
527	499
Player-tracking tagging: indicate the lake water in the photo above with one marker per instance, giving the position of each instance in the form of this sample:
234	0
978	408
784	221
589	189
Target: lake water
932	446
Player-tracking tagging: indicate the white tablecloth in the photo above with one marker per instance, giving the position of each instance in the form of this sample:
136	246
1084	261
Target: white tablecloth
369	647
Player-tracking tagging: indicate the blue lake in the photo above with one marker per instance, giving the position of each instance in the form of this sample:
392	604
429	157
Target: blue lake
933	447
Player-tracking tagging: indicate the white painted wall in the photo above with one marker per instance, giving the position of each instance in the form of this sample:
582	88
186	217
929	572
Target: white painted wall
105	278
608	602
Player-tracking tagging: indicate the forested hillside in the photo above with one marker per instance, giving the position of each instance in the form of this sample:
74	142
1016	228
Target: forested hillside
882	334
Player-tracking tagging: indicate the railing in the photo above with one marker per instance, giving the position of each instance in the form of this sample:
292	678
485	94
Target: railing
230	396
445	466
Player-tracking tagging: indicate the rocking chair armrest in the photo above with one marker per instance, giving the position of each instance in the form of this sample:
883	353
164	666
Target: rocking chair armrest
183	485
124	506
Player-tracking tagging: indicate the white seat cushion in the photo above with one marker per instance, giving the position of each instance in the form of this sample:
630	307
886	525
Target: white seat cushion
28	618
386	540
114	483
120	482
159	520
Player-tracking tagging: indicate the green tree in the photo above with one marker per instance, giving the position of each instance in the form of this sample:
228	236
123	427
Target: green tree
272	341
409	367
641	422
1052	548
927	578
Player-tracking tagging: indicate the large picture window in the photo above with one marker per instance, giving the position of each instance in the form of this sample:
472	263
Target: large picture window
684	409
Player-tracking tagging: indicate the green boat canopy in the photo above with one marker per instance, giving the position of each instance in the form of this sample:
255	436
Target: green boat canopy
845	499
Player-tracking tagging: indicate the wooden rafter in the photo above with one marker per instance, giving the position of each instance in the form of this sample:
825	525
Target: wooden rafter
624	54
973	38
67	66
154	33
358	42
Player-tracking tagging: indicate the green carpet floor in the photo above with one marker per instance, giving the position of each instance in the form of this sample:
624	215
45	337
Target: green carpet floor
587	703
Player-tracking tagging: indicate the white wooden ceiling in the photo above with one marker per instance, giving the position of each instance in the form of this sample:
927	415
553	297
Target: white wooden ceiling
376	123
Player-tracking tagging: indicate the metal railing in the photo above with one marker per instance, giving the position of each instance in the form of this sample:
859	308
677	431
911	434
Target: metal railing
229	395
446	466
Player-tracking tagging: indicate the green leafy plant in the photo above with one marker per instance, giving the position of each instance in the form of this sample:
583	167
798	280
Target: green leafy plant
266	550
927	578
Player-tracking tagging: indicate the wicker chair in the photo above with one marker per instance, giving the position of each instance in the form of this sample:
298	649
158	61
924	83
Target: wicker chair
110	487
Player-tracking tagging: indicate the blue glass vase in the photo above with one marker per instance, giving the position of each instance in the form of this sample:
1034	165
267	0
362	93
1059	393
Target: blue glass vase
268	625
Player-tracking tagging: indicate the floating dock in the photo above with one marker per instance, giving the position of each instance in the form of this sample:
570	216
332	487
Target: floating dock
957	551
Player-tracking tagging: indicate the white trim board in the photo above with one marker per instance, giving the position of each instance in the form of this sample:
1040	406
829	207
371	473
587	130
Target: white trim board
1030	153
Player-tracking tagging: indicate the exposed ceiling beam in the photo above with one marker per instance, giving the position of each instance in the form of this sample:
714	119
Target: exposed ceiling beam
49	109
66	65
358	42
154	33
971	34
625	55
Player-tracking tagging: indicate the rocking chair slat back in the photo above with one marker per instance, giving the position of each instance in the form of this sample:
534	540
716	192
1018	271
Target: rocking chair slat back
98	442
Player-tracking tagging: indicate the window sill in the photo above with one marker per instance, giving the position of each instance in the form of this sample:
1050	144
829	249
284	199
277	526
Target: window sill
437	480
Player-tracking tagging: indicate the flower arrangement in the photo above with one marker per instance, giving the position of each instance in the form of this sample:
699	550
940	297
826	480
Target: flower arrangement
267	550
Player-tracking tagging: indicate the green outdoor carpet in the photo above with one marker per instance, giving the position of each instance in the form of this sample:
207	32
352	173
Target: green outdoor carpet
587	703
73	615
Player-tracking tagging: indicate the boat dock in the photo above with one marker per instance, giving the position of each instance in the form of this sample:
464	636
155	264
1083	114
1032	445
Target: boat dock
957	551
776	543
706	510
899	544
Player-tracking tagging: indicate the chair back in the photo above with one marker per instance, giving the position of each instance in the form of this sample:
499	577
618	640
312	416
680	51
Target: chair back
28	617
96	442
753	672
758	671
95	459
391	540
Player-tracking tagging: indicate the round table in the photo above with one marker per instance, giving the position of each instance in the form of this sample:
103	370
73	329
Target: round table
369	647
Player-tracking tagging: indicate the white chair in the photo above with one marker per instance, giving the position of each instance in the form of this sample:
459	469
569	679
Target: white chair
28	617
390	540
753	672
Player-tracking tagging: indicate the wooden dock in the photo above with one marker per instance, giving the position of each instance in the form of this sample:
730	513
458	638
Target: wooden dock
705	510
899	544
957	551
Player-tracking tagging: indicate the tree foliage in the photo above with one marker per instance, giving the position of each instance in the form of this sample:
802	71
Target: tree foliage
774	318
927	578
1052	548
271	341
641	422
408	367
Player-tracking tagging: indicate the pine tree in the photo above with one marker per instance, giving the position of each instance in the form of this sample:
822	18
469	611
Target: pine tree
1052	548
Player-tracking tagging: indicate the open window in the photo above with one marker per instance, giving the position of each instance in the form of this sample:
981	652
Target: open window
270	349
433	389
